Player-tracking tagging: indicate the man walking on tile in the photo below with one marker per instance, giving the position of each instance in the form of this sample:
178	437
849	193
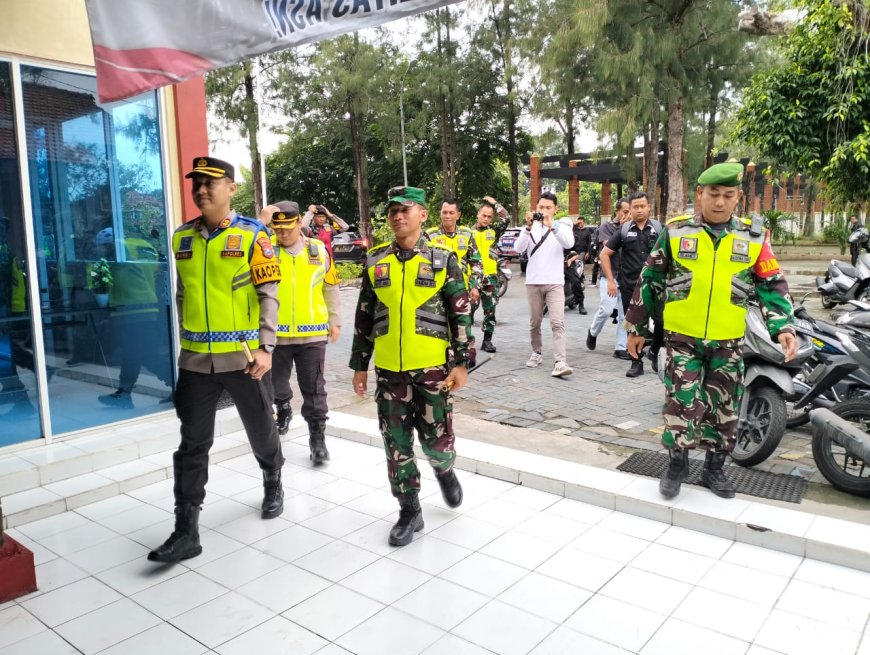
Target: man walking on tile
227	298
704	268
309	313
413	306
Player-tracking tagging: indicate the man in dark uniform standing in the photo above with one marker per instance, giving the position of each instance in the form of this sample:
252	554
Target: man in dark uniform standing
227	298
634	239
413	305
703	268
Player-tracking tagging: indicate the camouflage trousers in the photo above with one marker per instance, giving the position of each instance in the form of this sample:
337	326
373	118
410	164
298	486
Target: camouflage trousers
703	388
489	299
411	400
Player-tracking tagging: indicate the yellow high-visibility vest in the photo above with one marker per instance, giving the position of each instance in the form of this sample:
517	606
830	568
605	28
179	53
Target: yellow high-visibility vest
302	310
485	241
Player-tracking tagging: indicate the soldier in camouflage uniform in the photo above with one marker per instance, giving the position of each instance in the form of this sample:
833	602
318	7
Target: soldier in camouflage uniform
486	235
704	268
413	306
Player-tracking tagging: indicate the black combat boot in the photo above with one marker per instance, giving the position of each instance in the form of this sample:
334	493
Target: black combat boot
636	369
591	341
183	543
678	469
451	490
654	359
285	413
410	521
581	309
273	494
487	346
317	442
713	477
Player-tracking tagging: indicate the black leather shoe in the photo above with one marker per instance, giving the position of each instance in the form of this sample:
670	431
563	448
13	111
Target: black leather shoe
273	494
713	477
678	469
451	490
410	521
285	413
614	315
317	442
183	543
591	341
581	309
487	346
621	354
636	369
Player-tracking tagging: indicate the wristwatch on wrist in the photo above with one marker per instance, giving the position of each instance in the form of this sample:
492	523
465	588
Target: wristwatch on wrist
267	347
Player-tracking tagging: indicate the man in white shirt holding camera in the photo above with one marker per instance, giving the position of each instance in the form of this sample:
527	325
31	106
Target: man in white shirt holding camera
544	240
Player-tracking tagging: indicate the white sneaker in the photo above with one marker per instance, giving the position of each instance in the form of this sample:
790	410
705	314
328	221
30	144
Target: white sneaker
561	369
534	360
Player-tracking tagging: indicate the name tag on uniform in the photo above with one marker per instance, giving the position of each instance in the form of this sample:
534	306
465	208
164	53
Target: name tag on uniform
740	251
185	248
425	275
631	234
382	275
688	248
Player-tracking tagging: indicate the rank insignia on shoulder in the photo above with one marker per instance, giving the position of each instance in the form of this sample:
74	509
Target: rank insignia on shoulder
234	242
266	246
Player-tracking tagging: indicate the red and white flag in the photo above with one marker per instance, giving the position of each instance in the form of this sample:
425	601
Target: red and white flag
141	45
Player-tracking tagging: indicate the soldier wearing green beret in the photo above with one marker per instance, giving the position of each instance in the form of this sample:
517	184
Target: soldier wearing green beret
413	305
703	268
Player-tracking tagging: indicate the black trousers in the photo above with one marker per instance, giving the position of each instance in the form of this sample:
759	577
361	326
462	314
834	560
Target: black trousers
196	398
309	359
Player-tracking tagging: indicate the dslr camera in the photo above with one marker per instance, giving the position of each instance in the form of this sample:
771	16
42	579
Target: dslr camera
537	216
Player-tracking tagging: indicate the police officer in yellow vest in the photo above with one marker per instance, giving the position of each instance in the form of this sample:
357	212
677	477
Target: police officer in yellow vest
460	240
413	306
704	268
309	313
227	297
486	235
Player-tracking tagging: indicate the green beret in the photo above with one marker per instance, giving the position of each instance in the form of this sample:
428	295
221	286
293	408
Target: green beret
406	195
727	174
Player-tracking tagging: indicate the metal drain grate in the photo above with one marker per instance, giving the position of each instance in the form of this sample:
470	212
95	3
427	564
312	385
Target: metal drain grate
775	486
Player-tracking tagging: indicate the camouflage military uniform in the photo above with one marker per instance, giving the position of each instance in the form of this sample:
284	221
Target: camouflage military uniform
413	399
704	377
489	283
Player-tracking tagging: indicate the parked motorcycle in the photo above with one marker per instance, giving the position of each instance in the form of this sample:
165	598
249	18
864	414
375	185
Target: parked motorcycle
768	381
843	282
841	445
829	342
504	274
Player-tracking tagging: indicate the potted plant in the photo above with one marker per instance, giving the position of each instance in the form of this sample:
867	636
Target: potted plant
101	282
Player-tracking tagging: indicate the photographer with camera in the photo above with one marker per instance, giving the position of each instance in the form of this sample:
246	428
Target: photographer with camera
320	223
545	240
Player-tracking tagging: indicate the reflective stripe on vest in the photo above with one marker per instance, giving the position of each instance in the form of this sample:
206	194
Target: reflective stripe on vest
302	308
220	302
708	312
485	241
405	332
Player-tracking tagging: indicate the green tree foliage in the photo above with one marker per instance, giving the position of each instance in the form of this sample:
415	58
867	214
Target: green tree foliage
811	113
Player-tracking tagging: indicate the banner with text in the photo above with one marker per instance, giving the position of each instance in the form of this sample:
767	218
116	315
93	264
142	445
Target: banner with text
141	45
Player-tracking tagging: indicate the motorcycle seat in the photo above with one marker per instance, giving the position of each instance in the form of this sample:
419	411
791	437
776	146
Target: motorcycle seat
846	269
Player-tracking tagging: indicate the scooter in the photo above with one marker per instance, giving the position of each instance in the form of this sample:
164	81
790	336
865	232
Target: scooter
504	274
829	342
767	382
843	282
841	445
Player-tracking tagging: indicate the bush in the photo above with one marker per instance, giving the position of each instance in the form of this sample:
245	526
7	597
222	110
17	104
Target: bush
779	223
837	231
349	271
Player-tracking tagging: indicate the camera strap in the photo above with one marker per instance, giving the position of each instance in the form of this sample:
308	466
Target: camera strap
538	244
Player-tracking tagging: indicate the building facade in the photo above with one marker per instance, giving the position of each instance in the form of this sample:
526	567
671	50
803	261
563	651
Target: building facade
89	195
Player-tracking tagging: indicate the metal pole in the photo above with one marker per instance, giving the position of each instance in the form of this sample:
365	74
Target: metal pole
402	121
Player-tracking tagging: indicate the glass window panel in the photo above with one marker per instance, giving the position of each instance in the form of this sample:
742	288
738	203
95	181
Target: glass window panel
18	393
100	223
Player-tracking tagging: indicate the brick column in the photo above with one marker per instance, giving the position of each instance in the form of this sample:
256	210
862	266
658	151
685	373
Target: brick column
573	192
767	196
535	180
606	204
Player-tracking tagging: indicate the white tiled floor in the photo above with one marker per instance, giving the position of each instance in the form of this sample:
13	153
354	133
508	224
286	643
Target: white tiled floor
513	571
